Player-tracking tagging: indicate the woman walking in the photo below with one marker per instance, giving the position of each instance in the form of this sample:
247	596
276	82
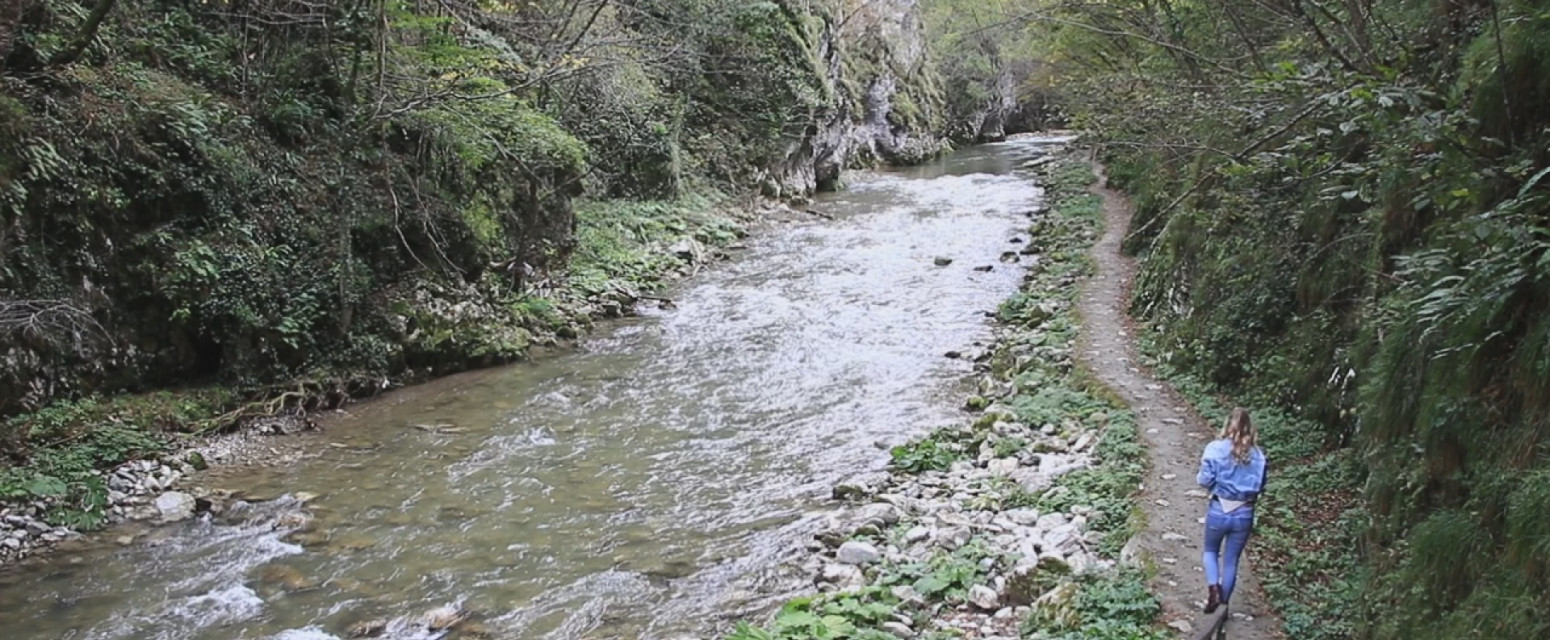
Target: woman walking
1232	469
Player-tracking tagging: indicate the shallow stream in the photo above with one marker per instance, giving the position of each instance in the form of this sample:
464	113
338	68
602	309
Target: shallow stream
647	484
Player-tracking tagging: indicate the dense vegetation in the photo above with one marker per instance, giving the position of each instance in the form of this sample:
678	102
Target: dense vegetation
1344	218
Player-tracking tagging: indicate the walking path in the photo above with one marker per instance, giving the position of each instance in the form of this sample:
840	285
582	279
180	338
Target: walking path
1174	433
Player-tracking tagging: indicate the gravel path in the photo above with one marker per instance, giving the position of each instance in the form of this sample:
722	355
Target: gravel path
1174	433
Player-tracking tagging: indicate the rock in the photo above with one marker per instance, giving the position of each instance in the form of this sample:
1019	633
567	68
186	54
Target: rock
917	533
1064	539
304	497
857	553
1083	441
906	593
984	268
953	355
1132	554
368	628
443	617
942	261
11	543
861	485
880	513
174	506
1002	466
842	576
286	577
1057	607
1182	626
899	629
688	249
1080	563
197	461
125	541
952	538
984	597
1050	521
1025	517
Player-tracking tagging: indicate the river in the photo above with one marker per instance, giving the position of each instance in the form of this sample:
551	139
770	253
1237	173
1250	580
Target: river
648	483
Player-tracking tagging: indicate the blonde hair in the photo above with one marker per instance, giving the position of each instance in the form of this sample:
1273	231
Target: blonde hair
1244	436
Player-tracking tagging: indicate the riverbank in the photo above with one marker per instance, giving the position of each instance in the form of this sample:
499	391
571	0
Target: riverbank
82	465
1013	522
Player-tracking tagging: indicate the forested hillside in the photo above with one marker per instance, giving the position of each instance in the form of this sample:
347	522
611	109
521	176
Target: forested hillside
1345	221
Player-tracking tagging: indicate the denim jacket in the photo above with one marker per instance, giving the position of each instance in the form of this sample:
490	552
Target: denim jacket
1225	478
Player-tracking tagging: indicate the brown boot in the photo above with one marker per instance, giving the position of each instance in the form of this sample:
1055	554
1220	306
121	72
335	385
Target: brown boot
1213	599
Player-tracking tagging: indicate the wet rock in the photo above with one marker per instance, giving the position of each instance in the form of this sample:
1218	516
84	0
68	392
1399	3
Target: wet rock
953	355
942	261
984	597
368	628
857	553
286	577
861	485
984	268
443	617
175	505
688	249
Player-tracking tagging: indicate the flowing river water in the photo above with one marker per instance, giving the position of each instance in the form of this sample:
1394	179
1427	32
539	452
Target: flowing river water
650	482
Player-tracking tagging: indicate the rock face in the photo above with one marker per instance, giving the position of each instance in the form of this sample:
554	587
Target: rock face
883	106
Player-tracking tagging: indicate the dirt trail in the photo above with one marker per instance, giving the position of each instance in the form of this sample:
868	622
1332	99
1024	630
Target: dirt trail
1174	433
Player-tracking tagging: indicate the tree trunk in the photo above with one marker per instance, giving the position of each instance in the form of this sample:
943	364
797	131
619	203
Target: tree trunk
83	38
10	26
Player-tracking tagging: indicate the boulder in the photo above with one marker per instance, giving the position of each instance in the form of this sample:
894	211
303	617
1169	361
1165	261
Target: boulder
857	553
984	597
175	505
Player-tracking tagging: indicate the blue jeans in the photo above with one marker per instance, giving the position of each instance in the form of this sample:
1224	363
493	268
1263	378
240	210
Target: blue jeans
1233	530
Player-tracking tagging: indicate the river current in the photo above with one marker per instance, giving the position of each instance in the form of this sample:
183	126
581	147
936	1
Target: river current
649	483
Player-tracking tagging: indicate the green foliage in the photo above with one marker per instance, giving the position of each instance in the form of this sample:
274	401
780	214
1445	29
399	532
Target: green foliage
927	454
1344	219
69	443
1108	606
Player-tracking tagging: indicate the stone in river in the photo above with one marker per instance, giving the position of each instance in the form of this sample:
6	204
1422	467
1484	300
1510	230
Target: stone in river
942	262
175	505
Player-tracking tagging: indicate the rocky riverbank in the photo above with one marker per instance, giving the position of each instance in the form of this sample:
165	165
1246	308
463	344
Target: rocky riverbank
1015	522
151	474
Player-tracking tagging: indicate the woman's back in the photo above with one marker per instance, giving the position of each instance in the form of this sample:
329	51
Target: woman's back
1228	478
